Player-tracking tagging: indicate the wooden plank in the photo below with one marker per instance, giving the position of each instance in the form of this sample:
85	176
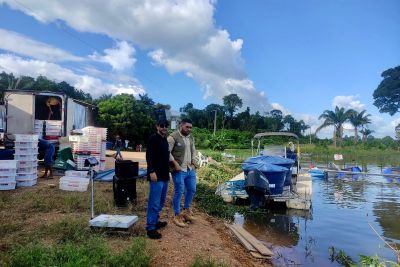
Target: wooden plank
253	241
242	240
253	251
257	255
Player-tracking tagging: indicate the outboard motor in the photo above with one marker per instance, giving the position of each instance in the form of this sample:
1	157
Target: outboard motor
257	187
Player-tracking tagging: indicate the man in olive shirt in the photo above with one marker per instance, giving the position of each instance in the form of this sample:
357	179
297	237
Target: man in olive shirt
157	157
183	151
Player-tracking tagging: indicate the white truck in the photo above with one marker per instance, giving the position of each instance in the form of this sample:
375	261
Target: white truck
44	113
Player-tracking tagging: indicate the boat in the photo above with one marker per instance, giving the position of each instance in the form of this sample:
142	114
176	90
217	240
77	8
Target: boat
318	173
271	175
275	160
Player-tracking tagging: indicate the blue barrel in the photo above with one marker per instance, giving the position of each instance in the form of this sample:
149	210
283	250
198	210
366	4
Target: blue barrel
6	154
279	161
275	174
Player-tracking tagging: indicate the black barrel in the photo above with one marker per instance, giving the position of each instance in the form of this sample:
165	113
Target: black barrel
124	190
126	169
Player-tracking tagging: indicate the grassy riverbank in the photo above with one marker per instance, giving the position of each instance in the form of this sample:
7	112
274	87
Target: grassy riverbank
319	154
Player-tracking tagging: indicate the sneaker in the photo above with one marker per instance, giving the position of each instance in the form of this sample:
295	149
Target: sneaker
160	225
153	234
179	221
188	215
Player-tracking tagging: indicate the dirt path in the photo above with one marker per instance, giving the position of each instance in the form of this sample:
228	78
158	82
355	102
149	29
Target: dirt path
27	214
207	238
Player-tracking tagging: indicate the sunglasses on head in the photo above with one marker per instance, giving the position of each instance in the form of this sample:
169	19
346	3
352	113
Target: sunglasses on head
163	125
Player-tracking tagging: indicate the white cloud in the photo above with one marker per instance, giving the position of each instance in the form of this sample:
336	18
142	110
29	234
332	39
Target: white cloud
281	108
22	45
89	84
120	57
382	128
348	102
181	35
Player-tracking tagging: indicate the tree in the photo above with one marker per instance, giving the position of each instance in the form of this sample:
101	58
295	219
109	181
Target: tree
359	120
336	119
274	122
124	115
303	126
365	133
210	113
232	102
186	108
387	95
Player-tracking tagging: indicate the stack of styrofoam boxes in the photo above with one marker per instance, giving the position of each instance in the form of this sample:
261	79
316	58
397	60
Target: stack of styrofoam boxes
8	171
39	128
26	152
103	155
80	150
96	144
53	129
75	181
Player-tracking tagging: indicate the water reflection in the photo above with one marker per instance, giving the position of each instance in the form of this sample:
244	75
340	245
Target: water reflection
279	227
343	214
386	210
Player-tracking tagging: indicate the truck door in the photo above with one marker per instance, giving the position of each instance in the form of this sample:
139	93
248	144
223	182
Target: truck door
20	110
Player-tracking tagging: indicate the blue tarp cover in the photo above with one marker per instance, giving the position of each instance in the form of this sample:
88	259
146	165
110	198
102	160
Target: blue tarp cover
263	167
270	160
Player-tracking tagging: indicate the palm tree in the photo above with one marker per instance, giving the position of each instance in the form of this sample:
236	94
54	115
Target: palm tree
336	119
365	132
359	120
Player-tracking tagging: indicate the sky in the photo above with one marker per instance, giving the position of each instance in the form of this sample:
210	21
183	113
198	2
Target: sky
302	57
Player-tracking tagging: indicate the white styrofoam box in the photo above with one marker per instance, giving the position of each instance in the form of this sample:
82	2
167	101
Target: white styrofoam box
74	183
32	144
53	122
26	137
26	183
55	133
81	174
26	176
8	172
80	146
25	157
78	138
27	163
102	165
8	164
113	221
95	131
8	186
7	179
26	151
53	127
27	169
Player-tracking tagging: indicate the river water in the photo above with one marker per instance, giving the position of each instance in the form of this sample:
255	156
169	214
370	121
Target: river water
345	214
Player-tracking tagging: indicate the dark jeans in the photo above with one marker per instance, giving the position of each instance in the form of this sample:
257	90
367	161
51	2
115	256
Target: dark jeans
157	196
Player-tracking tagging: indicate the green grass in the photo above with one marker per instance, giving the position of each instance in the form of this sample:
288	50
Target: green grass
201	262
356	155
90	252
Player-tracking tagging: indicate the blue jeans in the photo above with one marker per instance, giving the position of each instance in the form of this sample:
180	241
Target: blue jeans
183	181
157	196
118	152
